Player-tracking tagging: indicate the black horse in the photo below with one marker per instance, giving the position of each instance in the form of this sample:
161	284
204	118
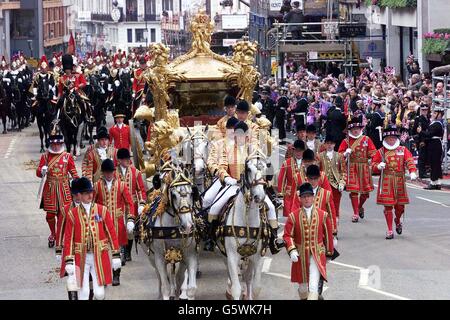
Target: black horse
5	107
97	95
43	108
123	96
71	115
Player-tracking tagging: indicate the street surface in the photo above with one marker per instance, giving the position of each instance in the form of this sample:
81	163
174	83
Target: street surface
414	265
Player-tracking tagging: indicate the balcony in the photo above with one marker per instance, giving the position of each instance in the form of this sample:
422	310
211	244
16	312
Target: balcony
131	17
101	17
152	17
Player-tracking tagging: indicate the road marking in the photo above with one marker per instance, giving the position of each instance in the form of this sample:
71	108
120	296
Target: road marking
432	201
279	275
266	264
346	265
10	148
387	294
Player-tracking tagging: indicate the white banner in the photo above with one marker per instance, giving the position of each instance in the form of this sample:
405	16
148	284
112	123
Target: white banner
275	5
234	21
229	42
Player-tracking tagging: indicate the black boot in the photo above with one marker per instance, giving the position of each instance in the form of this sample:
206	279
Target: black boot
209	242
122	256
116	278
73	295
320	288
91	290
128	250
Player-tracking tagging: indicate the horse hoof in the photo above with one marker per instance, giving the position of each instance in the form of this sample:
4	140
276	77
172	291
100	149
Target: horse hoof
171	298
182	299
42	150
82	146
228	295
199	274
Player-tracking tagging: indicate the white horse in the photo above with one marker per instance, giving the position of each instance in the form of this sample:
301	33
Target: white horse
172	241
247	212
194	154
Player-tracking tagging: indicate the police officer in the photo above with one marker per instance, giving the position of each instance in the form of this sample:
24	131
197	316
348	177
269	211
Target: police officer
282	105
421	121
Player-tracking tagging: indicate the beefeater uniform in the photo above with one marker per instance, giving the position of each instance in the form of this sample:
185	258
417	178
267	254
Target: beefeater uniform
92	162
135	184
335	171
56	193
90	234
392	192
119	203
120	136
312	237
359	178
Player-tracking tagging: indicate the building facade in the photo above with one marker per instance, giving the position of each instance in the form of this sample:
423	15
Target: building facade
35	27
138	26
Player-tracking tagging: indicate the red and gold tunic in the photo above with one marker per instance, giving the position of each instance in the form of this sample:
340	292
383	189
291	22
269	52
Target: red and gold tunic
119	203
90	233
92	163
120	137
77	82
334	168
310	238
139	81
291	176
56	194
392	186
359	178
135	184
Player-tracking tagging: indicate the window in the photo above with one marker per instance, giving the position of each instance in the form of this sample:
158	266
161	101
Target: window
167	5
140	35
152	35
150	7
130	35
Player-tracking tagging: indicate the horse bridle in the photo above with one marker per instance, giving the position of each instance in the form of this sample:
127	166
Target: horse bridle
250	184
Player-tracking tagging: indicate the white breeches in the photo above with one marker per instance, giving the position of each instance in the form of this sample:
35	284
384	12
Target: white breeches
99	291
314	277
211	194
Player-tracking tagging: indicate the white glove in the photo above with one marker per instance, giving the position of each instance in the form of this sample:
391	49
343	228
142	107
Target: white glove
294	256
341	187
58	258
117	83
109	87
381	166
35	91
229	181
347	152
70	269
104	75
140	209
7	80
50	87
20	80
413	176
44	170
133	95
335	242
130	226
116	264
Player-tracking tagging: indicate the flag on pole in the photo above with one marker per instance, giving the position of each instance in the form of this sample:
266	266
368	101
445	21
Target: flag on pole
71	47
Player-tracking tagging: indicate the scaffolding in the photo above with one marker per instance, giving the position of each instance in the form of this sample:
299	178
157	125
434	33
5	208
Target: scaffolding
443	75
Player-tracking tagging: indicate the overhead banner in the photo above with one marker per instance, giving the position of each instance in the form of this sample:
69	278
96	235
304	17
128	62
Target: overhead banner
275	5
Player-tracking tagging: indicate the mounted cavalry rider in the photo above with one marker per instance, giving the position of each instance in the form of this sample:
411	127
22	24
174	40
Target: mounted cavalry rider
229	166
72	81
44	74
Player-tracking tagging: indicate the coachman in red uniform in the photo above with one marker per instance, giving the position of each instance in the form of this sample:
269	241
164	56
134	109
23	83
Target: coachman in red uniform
309	241
88	236
392	161
358	149
57	167
132	177
72	81
112	193
120	134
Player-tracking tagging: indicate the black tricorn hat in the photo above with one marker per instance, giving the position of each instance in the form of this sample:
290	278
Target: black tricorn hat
299	144
355	122
84	185
108	165
55	135
241	125
123	153
300	127
306	189
229	101
231	123
74	186
102	133
308	155
67	62
313	171
391	131
329	138
243	106
311	128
